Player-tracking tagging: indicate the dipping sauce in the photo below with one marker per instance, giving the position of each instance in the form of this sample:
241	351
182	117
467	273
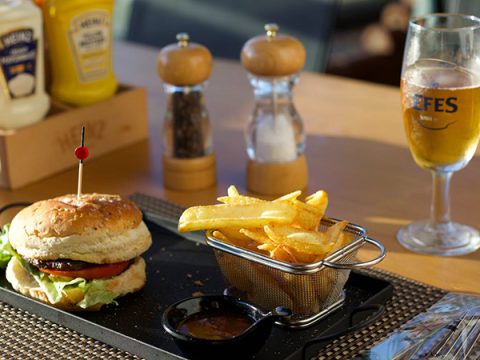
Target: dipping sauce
215	325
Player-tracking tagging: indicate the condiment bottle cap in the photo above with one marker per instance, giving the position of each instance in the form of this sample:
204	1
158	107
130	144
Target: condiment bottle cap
184	63
273	54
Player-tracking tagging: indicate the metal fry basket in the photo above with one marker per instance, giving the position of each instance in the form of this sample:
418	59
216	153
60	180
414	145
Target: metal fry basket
311	291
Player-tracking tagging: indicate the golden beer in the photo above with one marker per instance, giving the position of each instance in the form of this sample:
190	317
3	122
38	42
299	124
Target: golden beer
441	114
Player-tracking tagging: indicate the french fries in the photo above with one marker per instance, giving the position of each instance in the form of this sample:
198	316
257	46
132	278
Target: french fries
257	235
311	242
283	253
318	200
225	215
235	237
286	228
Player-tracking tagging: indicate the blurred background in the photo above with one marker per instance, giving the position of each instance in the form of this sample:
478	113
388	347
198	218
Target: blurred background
361	39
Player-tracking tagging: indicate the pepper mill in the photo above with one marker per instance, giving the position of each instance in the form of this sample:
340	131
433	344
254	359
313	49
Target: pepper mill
188	160
275	138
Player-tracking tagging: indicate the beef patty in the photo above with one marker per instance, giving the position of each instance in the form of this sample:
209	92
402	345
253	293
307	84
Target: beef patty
61	264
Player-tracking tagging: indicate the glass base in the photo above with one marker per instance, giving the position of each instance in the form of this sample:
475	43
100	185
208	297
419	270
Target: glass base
440	239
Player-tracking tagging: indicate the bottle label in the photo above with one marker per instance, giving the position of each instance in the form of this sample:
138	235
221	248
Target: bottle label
90	40
18	57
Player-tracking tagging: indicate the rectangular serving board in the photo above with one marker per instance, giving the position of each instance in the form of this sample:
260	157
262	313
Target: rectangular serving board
177	268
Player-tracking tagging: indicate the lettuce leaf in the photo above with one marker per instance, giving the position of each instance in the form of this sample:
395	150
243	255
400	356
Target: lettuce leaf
6	250
97	293
89	292
93	291
52	287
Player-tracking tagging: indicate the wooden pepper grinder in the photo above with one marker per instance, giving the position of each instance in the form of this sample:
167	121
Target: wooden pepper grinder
188	161
275	137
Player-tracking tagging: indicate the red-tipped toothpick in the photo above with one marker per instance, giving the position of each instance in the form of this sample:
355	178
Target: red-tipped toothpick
81	152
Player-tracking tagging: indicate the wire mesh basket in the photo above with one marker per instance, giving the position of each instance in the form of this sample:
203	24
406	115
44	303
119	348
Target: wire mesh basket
310	290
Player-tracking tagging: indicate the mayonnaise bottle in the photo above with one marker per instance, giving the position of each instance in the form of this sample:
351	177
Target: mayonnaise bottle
22	89
79	34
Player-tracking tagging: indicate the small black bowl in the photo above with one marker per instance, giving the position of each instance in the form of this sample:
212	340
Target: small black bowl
242	346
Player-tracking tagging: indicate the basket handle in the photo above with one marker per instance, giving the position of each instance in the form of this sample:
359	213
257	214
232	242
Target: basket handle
363	264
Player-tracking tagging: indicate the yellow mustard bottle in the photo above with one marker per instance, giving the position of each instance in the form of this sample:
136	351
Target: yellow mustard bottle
79	40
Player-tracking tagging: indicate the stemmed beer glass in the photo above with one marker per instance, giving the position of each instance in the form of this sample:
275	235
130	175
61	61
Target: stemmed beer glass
440	89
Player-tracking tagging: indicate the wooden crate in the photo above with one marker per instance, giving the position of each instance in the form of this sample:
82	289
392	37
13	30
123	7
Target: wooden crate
45	148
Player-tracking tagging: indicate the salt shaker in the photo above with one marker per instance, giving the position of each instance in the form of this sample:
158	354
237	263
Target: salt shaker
275	138
189	160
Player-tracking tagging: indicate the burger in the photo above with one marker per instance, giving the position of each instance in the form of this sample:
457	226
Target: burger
76	253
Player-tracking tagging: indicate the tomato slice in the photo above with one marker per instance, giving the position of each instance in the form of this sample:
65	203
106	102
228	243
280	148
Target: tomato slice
94	272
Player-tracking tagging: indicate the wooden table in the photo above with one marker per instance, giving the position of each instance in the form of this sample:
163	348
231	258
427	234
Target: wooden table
356	150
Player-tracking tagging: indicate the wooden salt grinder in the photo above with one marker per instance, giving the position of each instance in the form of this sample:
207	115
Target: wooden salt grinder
273	58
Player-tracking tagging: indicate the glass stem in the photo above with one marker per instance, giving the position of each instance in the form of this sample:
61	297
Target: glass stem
440	210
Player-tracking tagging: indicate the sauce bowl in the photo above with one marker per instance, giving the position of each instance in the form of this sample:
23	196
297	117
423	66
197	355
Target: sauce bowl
242	346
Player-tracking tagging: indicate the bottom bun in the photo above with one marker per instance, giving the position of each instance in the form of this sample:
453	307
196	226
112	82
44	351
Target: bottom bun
131	280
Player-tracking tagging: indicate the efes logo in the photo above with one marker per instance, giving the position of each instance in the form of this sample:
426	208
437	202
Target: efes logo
426	103
434	110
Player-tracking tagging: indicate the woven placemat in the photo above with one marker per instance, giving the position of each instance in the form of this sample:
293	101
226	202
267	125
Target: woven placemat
24	335
410	298
27	336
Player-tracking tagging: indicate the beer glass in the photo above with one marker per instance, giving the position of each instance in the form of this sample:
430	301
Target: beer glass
440	91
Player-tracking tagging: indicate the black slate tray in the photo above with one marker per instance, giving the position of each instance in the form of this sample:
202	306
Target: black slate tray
178	268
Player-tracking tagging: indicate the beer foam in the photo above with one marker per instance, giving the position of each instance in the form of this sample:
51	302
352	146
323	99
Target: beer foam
435	74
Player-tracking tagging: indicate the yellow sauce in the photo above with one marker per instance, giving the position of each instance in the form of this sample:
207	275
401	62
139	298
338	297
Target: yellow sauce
79	40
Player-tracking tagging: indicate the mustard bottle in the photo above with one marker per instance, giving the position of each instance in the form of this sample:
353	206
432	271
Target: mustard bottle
79	38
